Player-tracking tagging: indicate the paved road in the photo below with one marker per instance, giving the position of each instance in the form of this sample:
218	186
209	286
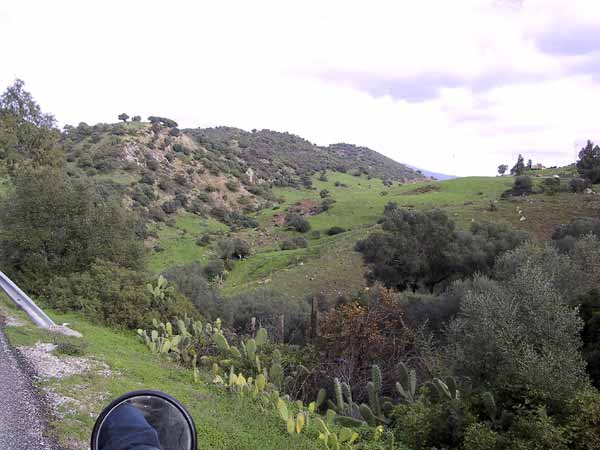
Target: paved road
21	417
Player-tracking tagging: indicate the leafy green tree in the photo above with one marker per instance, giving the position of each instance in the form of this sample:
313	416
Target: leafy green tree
54	225
27	135
519	338
502	168
124	117
421	249
519	167
588	164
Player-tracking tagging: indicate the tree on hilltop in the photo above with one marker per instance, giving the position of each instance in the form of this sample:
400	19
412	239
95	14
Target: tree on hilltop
519	167
26	133
589	162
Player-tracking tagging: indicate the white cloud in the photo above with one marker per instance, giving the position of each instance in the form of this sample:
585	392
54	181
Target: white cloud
455	87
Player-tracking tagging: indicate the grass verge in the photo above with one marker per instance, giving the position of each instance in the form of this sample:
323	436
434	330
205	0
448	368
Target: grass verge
224	421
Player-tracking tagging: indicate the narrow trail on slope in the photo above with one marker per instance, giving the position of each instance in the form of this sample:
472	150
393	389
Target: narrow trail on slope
22	423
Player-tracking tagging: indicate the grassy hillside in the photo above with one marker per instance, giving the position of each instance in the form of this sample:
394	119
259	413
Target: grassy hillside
224	422
329	265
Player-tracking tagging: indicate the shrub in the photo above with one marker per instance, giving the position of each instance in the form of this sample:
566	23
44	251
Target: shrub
324	193
294	243
157	214
69	346
191	281
297	222
203	240
166	185
267	306
551	185
214	269
170	206
326	204
233	249
479	436
335	230
516	338
522	186
232	185
56	225
181	179
579	185
584	420
116	296
147	178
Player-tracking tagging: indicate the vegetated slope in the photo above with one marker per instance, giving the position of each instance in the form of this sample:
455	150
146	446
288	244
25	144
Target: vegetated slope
283	157
223	421
329	265
216	172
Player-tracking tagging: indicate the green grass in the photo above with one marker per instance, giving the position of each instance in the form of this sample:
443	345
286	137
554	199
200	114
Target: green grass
224	421
362	202
330	264
179	241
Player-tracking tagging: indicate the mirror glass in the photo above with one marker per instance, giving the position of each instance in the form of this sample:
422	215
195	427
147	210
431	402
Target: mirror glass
146	422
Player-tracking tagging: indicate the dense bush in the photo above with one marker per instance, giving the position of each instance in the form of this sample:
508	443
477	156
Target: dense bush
516	338
565	236
579	185
326	204
170	206
267	306
294	243
203	240
67	224
335	230
552	185
297	222
523	185
423	249
228	249
232	185
214	269
589	310
191	280
115	296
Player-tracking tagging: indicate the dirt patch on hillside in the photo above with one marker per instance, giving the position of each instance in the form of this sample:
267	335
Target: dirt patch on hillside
304	208
422	190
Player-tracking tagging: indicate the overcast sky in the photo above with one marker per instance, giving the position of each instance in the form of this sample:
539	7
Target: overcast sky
451	86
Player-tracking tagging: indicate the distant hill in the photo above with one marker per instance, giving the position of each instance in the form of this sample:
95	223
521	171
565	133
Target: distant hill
436	175
221	172
279	157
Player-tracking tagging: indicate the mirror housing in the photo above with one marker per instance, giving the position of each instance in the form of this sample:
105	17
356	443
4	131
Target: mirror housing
150	420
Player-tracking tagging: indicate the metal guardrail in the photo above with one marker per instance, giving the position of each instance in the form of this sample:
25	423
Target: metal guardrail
22	300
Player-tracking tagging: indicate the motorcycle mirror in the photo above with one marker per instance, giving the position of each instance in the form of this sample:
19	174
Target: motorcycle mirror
144	420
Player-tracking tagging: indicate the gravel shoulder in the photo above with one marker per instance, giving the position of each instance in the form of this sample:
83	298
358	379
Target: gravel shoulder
22	422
